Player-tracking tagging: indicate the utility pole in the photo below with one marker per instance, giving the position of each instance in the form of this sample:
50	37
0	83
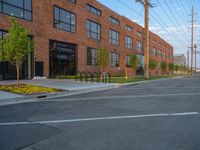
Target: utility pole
192	38
195	56
188	59
146	4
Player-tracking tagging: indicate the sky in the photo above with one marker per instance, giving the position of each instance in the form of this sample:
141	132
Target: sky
170	19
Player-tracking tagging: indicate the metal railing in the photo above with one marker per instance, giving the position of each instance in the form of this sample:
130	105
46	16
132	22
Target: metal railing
97	77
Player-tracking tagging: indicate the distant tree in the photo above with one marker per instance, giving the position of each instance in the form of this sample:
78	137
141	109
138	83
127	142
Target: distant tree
163	65
171	66
176	68
184	69
102	57
181	68
15	46
152	64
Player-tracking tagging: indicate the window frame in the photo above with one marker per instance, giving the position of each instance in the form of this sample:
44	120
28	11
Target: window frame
139	48
129	28
114	20
112	61
127	44
91	9
60	21
72	1
89	31
111	31
128	61
90	60
23	9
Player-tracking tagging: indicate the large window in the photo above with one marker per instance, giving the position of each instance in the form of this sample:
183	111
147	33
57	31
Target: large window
139	46
128	42
164	55
62	58
114	21
64	20
114	37
128	61
91	56
154	52
159	53
93	10
140	59
17	8
93	30
114	59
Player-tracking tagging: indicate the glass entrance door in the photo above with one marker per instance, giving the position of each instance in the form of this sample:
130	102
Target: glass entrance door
62	59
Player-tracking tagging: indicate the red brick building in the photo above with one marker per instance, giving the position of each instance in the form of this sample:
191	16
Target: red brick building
67	32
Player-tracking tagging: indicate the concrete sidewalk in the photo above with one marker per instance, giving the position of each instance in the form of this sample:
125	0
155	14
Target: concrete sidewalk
62	84
68	87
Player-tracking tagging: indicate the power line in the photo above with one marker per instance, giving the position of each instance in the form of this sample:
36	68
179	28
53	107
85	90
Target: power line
170	19
173	16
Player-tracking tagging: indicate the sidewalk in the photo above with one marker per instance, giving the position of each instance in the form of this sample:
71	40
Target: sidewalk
68	87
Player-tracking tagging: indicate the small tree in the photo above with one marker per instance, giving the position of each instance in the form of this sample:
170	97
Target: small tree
181	68
176	67
152	64
102	55
171	66
163	66
15	46
134	61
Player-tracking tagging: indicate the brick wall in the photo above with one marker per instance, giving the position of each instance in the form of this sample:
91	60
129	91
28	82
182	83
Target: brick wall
41	28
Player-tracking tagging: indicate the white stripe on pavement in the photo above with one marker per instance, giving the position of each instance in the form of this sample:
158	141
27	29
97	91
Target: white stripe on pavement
98	118
125	96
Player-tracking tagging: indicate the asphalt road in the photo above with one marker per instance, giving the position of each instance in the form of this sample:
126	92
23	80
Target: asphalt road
158	115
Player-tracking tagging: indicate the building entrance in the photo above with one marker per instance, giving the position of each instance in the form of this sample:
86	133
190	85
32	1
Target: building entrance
62	59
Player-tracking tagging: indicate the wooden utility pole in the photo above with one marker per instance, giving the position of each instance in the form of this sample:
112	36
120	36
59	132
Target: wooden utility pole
188	59
146	4
195	57
146	41
192	38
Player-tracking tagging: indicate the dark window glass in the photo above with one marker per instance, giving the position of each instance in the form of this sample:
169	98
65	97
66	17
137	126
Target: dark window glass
93	30
17	8
114	59
114	37
154	52
18	3
139	46
128	28
139	33
93	10
64	20
73	1
128	42
140	59
91	57
0	6
114	21
128	61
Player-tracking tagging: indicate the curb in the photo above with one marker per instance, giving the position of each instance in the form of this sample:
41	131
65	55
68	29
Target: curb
43	96
147	81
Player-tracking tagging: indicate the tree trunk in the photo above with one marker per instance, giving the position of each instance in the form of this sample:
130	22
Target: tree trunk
17	68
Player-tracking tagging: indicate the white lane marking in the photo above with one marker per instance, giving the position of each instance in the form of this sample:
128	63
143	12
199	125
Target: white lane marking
98	118
151	88
125	96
